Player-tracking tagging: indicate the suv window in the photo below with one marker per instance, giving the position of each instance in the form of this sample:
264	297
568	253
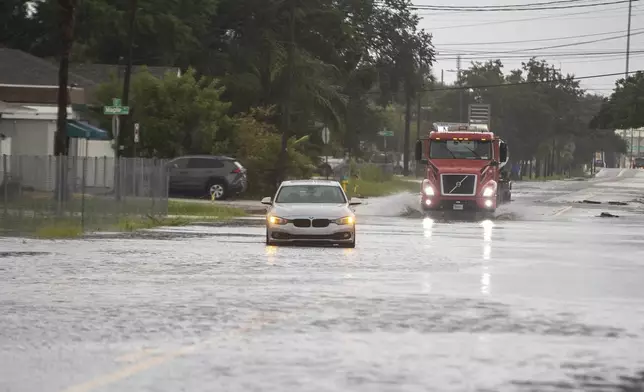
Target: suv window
205	163
181	163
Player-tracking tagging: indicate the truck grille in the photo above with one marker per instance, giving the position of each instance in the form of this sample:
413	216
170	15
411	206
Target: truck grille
458	184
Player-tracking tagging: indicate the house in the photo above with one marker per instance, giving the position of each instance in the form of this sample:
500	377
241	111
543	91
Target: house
28	112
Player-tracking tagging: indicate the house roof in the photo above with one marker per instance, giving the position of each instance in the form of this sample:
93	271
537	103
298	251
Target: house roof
102	73
21	68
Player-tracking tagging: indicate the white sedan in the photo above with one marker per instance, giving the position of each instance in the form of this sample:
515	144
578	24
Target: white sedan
310	211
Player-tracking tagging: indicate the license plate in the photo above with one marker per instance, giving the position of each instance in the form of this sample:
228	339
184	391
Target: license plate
458	206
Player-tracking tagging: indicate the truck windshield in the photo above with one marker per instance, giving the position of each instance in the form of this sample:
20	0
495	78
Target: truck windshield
453	149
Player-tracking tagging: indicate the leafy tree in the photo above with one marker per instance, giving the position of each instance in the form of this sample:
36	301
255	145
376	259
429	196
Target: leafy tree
178	114
624	108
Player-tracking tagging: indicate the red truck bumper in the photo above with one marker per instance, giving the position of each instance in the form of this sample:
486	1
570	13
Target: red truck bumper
471	204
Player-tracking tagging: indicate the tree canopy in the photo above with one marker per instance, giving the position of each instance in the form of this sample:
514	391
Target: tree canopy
542	113
356	64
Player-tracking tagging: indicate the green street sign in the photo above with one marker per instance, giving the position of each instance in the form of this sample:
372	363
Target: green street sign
386	133
116	110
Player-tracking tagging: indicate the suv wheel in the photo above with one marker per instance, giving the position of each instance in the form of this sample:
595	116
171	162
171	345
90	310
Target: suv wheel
217	189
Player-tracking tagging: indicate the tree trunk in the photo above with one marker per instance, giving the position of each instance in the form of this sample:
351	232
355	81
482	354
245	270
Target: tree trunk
61	143
286	106
407	134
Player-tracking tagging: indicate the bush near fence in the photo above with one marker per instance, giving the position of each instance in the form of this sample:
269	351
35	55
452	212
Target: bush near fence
83	193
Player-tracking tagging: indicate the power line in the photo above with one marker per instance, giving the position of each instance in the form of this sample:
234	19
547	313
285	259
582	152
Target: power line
554	2
526	82
483	56
498	22
536	40
558	46
500	9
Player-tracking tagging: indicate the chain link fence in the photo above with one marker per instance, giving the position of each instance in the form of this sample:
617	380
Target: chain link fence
91	193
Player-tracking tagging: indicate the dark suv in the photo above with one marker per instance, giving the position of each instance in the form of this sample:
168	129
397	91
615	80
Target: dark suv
639	163
207	175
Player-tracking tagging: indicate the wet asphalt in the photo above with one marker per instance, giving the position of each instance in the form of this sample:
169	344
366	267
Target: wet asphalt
547	297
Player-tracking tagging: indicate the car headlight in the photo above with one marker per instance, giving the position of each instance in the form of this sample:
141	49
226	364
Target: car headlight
429	190
276	220
488	192
347	220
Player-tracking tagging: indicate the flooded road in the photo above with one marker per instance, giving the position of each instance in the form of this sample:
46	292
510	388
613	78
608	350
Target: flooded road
550	300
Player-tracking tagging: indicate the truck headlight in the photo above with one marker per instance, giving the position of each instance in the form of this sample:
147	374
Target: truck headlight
488	192
276	220
428	190
347	220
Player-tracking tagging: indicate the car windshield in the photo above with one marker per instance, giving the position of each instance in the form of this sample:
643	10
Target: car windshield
310	194
453	149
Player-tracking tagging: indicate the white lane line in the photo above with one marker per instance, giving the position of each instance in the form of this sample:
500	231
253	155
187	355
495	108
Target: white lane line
562	210
621	172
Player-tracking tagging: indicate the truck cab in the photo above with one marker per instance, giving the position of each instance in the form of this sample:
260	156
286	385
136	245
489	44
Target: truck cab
464	169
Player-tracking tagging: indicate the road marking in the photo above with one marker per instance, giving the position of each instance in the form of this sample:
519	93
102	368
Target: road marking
563	210
129	371
139	367
136	355
621	172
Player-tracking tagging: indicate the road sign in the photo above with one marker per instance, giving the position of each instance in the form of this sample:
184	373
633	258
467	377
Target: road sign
386	133
326	135
136	133
116	109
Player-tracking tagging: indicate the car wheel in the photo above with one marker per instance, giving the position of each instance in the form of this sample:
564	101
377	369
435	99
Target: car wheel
218	190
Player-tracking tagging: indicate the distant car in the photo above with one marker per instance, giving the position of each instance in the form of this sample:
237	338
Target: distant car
313	211
639	163
207	175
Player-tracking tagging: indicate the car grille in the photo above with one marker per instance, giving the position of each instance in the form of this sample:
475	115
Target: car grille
302	222
458	184
320	222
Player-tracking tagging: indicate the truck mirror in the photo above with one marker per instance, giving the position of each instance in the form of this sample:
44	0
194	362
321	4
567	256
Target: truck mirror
419	150
494	163
503	152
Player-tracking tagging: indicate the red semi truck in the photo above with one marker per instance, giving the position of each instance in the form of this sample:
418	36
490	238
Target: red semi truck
464	173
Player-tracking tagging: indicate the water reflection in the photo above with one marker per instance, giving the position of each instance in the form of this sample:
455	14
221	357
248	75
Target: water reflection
487	225
487	251
271	252
428	225
486	277
485	281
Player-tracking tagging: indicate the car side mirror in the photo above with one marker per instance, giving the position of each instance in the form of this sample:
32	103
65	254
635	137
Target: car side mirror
267	201
355	201
494	163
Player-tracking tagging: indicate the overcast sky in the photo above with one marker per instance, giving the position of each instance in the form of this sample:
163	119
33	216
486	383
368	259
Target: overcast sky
478	33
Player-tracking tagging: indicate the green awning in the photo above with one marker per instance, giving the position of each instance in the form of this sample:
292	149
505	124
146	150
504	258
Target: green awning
81	130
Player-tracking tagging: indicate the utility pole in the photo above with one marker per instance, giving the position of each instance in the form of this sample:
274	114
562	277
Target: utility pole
128	71
286	105
628	37
460	92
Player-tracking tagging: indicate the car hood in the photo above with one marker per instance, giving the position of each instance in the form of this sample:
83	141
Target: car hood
296	210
